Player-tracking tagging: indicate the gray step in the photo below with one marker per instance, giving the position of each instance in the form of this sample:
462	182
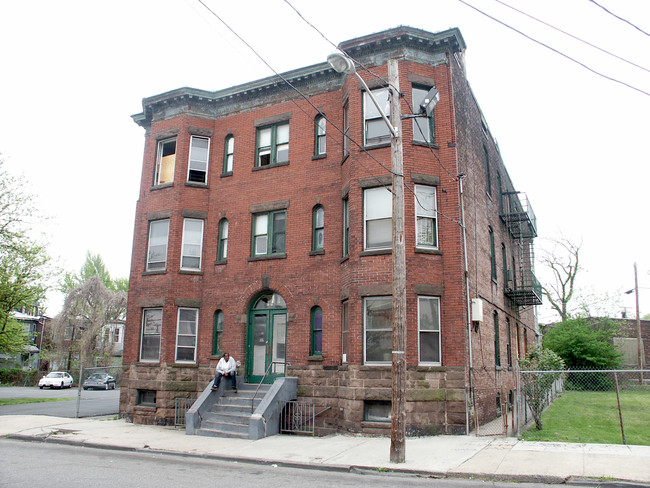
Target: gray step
227	417
236	428
220	433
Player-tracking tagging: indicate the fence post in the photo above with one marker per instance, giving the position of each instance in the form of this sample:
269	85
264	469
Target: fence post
620	414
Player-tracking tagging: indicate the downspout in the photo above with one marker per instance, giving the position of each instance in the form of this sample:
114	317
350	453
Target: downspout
469	317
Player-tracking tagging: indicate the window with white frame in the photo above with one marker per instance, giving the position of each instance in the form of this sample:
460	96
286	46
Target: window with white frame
229	155
377	327
346	227
318	228
157	250
422	126
377	217
165	162
269	233
198	167
151	328
426	217
273	145
192	244
376	130
188	319
429	329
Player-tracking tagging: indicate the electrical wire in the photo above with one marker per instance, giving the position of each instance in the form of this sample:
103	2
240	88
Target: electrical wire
619	18
555	50
572	36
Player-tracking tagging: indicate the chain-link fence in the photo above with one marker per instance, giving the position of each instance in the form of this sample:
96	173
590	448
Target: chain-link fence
91	380
598	406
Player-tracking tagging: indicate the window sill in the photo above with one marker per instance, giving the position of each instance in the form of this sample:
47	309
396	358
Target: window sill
374	366
217	355
432	145
163	185
423	250
314	358
377	424
226	174
344	259
318	156
182	364
376	252
196	184
498	368
190	271
269	166
266	258
154	272
147	406
320	252
430	368
147	362
379	145
220	262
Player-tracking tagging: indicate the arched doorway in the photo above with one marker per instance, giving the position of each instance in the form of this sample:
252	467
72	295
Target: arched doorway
266	338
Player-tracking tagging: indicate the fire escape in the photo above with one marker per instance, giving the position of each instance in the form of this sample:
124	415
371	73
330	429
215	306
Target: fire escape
521	286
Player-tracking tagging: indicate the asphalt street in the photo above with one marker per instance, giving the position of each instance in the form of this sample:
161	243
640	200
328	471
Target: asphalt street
92	403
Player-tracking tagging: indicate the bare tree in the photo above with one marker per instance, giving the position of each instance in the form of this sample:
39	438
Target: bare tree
78	328
564	262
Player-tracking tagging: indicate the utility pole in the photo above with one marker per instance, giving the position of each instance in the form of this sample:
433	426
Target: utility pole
638	326
398	369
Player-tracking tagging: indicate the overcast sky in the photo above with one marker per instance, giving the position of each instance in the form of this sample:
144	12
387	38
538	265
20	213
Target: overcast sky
73	72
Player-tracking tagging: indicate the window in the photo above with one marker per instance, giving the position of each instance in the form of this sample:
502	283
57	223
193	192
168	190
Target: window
346	227
376	411
344	331
157	252
147	398
316	332
151	327
376	130
497	355
508	343
488	178
198	167
504	258
426	216
318	226
271	225
222	251
192	244
229	149
165	162
429	329
320	127
188	319
378	211
493	259
422	126
346	130
378	313
218	331
273	145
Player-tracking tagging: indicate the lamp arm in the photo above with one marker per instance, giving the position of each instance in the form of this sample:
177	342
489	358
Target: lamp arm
374	100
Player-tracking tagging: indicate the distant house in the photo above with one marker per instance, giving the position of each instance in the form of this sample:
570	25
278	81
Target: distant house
34	324
627	342
113	335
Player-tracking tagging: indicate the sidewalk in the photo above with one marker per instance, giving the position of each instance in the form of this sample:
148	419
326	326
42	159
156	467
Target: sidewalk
440	456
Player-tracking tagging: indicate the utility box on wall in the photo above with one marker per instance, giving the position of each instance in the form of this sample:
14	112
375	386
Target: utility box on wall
477	310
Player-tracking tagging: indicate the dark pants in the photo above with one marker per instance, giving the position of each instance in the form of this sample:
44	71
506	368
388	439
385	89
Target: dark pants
232	375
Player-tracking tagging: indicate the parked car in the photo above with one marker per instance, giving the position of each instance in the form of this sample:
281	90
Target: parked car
56	379
99	381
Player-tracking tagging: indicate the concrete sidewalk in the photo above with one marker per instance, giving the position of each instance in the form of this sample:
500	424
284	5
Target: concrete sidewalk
440	456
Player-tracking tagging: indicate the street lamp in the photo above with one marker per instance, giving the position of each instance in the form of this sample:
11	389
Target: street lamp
343	64
638	324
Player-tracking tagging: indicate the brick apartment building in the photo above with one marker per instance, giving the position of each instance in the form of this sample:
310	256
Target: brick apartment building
262	231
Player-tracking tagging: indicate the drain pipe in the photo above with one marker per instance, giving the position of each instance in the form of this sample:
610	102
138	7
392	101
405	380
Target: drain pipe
468	394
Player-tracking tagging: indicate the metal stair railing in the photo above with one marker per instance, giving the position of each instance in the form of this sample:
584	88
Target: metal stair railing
262	381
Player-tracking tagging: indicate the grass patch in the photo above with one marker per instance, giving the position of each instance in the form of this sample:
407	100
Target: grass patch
17	401
592	417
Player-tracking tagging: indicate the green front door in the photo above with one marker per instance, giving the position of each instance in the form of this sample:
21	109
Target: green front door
266	339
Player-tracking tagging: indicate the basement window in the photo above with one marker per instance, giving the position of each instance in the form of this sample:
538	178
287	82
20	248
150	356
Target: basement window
376	411
147	398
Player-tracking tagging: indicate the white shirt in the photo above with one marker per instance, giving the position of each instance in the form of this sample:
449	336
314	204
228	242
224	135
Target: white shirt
224	366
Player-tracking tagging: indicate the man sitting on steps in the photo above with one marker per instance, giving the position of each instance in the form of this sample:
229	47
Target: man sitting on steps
227	367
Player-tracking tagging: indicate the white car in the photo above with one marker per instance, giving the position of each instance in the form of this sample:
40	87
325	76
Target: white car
56	379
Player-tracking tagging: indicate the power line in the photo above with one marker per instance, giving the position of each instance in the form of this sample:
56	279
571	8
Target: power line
619	18
555	50
572	36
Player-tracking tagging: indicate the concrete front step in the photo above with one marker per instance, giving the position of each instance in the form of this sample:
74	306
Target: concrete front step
220	433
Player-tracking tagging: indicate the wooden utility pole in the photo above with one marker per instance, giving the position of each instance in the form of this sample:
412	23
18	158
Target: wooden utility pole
398	369
638	326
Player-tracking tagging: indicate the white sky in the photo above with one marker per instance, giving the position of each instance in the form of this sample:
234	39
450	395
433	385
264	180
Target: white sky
72	73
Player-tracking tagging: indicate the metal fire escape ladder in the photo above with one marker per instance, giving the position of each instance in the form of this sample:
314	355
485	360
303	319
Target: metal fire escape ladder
524	288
